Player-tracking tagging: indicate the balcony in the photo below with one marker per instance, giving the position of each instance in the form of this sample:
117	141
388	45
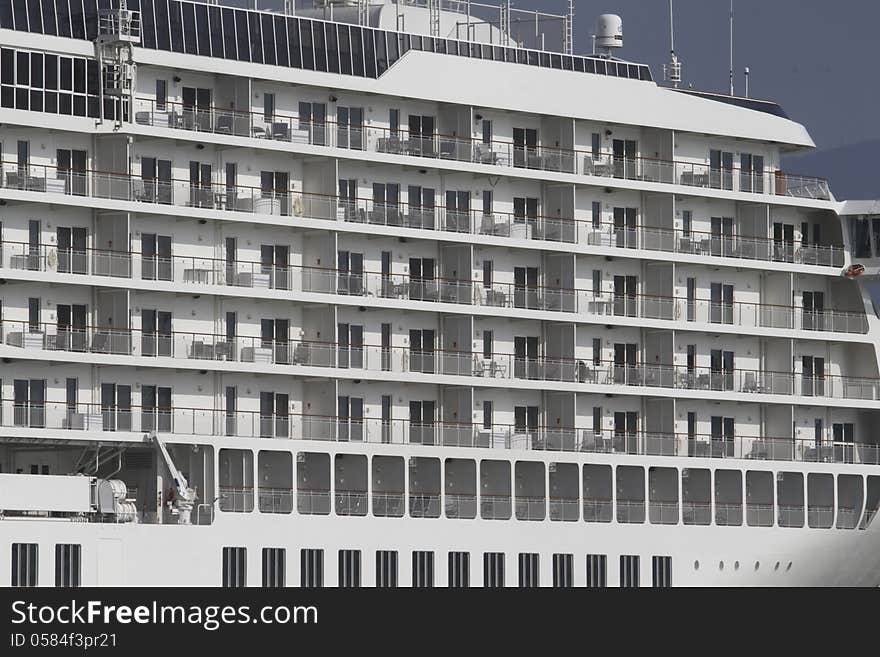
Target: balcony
253	200
290	128
50	417
221	274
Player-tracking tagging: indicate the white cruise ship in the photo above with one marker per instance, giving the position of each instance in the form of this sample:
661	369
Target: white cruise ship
408	294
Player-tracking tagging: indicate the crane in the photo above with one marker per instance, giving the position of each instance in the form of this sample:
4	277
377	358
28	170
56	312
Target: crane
185	496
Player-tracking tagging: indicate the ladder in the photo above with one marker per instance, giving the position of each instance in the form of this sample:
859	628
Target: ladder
434	9
118	32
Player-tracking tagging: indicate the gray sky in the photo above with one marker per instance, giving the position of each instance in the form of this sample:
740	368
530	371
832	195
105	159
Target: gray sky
815	57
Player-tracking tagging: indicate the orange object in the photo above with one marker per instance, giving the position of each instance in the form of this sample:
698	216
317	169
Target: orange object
854	270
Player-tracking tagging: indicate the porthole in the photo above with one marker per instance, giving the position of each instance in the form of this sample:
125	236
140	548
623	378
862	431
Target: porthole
776	567
696	565
736	565
757	565
788	567
720	565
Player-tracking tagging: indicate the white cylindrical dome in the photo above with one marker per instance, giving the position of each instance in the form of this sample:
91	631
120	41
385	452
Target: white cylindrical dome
609	31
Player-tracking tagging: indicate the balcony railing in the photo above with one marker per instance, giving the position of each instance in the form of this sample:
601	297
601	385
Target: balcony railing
76	418
291	128
254	200
253	349
214	272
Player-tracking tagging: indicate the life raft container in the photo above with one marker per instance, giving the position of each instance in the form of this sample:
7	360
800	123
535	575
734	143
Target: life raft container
854	270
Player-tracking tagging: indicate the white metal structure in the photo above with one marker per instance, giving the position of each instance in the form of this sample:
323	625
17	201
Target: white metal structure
397	309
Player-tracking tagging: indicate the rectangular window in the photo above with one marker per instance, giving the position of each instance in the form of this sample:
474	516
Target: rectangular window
563	571
68	562
274	567
597	567
349	568
386	569
487	414
597	282
597	420
311	568
629	571
662	568
528	570
24	564
423	569
161	95
459	569
597	351
686	220
493	570
268	107
234	567
597	215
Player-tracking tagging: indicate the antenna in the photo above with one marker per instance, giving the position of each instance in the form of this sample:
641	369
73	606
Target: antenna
672	70
747	81
731	47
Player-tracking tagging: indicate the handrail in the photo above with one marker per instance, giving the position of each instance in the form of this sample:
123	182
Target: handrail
201	118
174	344
184	193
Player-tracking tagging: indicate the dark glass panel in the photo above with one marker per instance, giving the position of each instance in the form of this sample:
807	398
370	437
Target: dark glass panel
37	70
357	51
293	43
590	65
148	24
634	71
415	42
487	51
93	81
78	19
381	53
22	68
600	66
344	50
320	46
305	40
51	102
90	8
545	59
22	99
190	36
176	23
369	54
579	64
403	42
6	20
203	30
242	36
7	97
35	16
498	53
440	46
19	14
645	73
7	66
393	48
50	15
36	100
267	29
256	38
79	105
51	69
65	104
79	75
281	41
163	31
230	46
332	48
215	21
92	109
65	74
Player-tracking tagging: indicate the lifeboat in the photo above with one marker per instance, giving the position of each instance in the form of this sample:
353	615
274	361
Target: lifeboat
854	270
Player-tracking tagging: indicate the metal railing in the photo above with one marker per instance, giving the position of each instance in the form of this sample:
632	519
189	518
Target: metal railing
22	257
255	200
292	128
55	416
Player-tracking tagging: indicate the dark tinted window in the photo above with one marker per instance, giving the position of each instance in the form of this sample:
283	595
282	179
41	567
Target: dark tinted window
305	40
174	19
230	46
256	38
203	31
269	41
319	45
190	45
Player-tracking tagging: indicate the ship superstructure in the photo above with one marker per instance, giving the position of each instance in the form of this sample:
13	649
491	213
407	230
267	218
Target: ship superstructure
380	295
